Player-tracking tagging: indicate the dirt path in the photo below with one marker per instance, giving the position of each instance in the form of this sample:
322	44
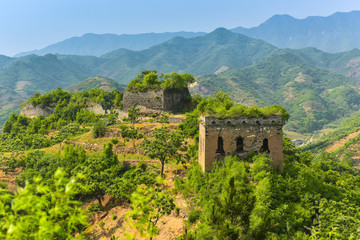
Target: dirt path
341	142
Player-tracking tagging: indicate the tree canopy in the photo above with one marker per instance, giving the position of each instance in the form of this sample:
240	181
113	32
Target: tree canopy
220	106
151	80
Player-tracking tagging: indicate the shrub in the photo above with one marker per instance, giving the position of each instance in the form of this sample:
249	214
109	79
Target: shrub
194	216
99	129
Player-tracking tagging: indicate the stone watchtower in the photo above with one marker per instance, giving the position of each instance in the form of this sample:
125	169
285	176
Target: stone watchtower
240	136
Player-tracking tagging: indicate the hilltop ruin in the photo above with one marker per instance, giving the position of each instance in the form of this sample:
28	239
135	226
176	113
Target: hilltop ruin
168	100
240	136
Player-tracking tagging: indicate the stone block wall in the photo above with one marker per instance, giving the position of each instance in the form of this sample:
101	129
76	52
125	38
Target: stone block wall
157	101
221	137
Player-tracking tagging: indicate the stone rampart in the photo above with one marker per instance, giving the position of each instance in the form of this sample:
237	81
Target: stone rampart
157	101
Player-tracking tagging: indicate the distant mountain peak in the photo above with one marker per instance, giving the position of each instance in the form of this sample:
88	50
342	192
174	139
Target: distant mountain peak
335	33
91	44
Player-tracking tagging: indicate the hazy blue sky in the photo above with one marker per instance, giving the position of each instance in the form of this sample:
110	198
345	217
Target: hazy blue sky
33	24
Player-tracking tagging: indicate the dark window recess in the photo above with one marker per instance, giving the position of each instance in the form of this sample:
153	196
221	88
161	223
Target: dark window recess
239	144
220	148
265	146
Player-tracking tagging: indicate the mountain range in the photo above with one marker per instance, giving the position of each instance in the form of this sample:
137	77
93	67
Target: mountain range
99	44
315	86
313	96
335	33
22	77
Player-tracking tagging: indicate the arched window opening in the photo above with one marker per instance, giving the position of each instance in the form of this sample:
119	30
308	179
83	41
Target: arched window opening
239	144
265	146
220	148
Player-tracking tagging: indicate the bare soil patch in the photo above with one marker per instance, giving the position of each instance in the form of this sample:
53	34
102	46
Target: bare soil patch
341	142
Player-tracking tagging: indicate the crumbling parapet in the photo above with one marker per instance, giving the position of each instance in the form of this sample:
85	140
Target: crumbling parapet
240	136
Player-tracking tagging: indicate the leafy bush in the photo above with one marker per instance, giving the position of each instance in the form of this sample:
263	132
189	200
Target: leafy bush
68	131
151	80
194	216
99	129
37	212
222	107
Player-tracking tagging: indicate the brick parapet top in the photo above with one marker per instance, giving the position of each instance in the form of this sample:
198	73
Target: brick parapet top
275	120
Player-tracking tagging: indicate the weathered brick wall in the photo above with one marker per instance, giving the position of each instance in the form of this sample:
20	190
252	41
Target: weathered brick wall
253	131
161	100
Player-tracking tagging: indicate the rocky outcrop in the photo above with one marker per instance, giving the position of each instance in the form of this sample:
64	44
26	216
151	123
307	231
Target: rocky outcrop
157	101
96	108
34	111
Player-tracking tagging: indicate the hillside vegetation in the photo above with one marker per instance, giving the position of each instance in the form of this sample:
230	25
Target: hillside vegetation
313	85
103	83
151	80
313	96
110	175
21	77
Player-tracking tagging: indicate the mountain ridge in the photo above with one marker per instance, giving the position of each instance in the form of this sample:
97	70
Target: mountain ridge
335	33
99	44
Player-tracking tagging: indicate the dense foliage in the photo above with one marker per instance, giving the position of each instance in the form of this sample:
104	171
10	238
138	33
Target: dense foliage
151	80
39	212
95	174
149	204
312	197
163	145
24	133
55	97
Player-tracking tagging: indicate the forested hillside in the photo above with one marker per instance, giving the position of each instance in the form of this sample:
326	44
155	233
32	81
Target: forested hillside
313	96
96	177
20	78
252	71
88	84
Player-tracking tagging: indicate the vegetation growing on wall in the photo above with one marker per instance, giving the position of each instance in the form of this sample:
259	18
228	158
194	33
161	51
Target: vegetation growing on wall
151	80
220	106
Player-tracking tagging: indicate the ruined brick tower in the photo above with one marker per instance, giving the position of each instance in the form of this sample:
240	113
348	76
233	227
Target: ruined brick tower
221	137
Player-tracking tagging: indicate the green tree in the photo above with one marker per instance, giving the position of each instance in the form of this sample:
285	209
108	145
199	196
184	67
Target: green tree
131	132
99	129
36	212
97	172
107	102
148	205
133	115
163	145
164	118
